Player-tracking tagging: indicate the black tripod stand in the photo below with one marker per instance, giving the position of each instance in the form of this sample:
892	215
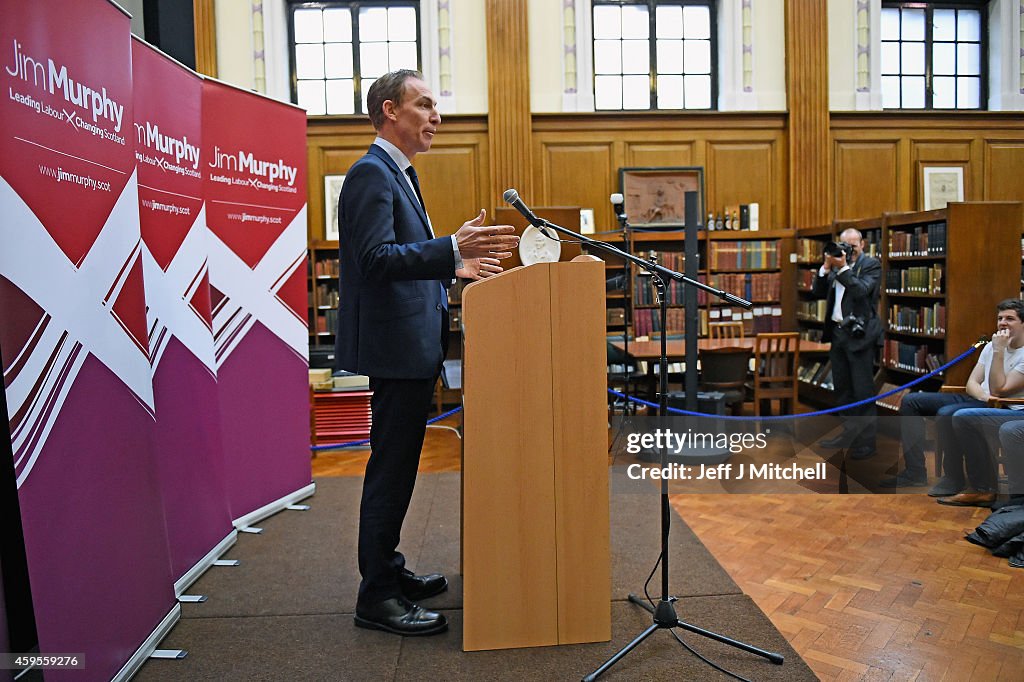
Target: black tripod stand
664	613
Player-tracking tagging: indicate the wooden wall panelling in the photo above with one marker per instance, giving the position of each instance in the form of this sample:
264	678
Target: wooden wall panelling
660	154
878	157
453	179
650	140
508	97
205	32
807	101
952	152
741	173
454	174
578	174
866	178
1004	171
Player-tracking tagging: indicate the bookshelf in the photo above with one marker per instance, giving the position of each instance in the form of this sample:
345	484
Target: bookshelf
815	371
750	264
943	272
323	293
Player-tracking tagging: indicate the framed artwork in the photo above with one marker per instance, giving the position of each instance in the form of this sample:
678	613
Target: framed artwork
655	197
941	185
332	190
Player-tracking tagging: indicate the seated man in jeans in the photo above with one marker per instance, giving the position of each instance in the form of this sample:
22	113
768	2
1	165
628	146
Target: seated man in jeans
978	427
1002	378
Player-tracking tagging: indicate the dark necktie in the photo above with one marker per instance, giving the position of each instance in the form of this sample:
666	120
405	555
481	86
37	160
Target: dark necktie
411	172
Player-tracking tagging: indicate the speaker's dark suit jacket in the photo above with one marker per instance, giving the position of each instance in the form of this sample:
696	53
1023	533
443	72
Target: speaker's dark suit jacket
389	321
392	327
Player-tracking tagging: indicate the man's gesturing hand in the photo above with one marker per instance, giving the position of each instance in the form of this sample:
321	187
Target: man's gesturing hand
479	268
491	241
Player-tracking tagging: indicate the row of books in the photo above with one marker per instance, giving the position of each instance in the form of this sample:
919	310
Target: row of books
327	323
763	286
924	240
910	357
326	267
327	294
811	334
755	321
817	372
752	255
811	310
648	320
644	292
924	279
805	278
918	319
809	250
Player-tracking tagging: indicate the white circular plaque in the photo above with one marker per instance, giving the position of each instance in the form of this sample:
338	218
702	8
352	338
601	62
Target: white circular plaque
534	247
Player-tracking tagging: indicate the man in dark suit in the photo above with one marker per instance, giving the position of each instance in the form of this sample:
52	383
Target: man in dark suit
393	327
850	282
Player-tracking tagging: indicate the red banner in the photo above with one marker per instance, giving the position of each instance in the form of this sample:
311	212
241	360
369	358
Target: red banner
74	334
254	160
187	442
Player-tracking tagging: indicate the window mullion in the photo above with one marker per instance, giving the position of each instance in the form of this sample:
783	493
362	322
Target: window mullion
928	49
652	43
357	70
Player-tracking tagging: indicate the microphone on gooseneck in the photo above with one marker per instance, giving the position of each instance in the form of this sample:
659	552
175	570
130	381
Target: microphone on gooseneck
619	206
512	198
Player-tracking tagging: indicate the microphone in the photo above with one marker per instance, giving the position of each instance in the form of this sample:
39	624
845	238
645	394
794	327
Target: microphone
512	198
618	202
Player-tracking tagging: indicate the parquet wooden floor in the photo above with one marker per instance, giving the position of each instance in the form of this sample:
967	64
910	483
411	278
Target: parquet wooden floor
864	587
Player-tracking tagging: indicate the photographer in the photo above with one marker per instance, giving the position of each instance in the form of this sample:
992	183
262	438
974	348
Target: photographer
849	280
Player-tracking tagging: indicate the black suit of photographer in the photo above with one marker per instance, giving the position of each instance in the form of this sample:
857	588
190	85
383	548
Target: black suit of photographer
854	341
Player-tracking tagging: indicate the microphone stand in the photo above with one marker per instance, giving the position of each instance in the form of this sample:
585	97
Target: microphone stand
627	373
664	614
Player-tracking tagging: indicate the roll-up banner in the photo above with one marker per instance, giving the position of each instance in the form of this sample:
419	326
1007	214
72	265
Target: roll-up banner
74	333
187	443
254	161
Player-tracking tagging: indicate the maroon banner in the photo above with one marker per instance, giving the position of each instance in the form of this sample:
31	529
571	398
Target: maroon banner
73	330
254	156
187	442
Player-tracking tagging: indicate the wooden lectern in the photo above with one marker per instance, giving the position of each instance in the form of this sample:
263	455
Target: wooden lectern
535	516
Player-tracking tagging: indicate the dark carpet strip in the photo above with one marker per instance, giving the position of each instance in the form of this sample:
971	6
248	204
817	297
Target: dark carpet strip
286	612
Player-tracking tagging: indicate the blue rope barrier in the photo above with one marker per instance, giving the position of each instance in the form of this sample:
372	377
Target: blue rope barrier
831	410
354	443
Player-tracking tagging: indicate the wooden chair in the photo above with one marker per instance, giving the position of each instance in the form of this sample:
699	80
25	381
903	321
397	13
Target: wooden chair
726	330
776	359
725	370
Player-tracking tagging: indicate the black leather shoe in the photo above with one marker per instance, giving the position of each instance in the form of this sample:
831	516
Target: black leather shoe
946	486
400	617
902	480
418	587
862	452
840	441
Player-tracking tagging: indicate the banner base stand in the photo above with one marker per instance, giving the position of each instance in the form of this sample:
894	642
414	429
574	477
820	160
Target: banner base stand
191	598
250	529
169	653
226	562
298	507
243	523
192	574
149	646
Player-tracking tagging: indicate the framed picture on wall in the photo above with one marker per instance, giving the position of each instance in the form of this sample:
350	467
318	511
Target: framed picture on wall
655	197
941	185
332	190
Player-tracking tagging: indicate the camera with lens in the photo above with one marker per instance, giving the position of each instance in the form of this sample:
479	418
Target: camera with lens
854	326
837	249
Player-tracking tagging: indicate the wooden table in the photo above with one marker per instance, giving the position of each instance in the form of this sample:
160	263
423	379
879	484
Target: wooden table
651	350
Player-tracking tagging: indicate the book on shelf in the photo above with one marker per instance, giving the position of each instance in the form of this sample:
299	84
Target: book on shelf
893	401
